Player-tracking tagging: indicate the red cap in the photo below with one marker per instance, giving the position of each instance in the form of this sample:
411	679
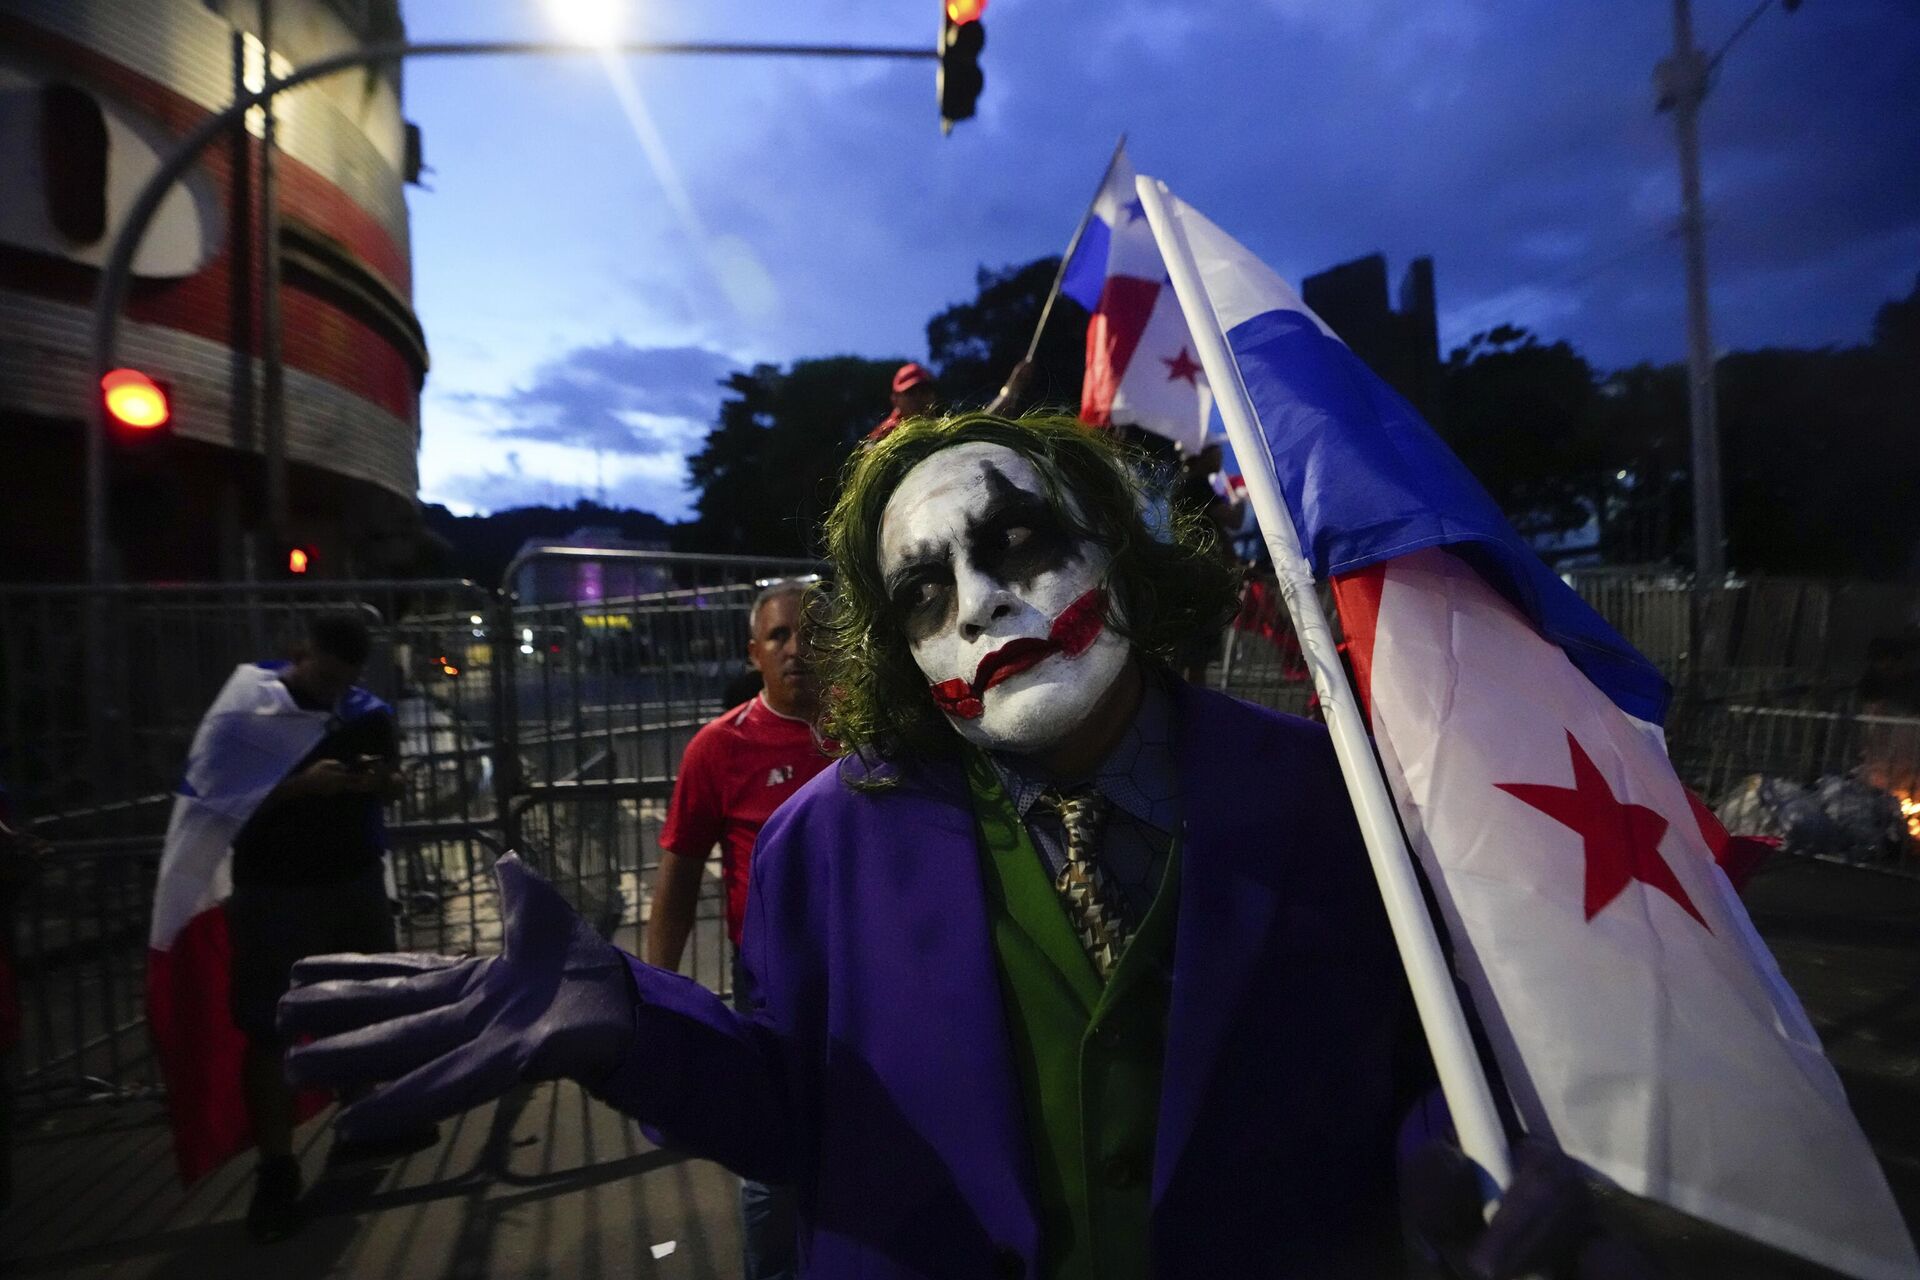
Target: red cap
910	375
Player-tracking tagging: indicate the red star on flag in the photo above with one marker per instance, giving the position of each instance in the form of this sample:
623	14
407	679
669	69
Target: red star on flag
1181	366
1622	841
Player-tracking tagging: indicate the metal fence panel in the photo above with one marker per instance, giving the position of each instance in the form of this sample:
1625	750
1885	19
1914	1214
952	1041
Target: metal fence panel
601	693
551	716
1789	634
102	692
1259	655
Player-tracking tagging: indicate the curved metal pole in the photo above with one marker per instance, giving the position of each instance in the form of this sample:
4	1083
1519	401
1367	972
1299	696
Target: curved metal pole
111	293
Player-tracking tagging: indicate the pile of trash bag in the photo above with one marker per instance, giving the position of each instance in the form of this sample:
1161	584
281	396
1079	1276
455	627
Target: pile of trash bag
1840	816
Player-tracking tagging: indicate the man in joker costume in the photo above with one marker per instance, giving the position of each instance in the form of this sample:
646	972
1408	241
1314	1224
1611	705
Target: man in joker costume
1070	969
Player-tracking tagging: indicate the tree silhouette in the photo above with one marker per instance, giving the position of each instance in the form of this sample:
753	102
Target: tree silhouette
769	468
974	345
1818	447
1896	325
767	472
1821	462
1522	415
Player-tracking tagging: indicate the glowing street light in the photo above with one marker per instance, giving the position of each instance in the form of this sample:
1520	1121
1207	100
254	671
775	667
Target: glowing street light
591	22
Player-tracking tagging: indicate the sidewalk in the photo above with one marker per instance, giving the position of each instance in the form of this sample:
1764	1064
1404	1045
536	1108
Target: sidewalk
546	1182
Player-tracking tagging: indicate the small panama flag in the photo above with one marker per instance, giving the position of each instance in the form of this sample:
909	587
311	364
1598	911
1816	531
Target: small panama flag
1142	368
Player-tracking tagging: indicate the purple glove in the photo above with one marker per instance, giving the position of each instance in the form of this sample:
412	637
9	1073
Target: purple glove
452	1033
1545	1224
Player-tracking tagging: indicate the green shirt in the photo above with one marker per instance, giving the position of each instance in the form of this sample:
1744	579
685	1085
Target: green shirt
1088	1058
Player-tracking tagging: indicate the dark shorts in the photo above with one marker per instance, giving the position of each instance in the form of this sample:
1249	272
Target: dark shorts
271	926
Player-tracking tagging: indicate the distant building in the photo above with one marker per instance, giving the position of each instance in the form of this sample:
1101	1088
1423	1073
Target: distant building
92	94
1400	344
586	579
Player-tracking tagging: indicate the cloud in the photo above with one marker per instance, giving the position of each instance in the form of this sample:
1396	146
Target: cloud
1514	142
616	398
472	491
656	483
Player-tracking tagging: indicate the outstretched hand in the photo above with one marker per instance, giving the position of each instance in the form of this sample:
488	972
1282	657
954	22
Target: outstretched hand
451	1033
1545	1224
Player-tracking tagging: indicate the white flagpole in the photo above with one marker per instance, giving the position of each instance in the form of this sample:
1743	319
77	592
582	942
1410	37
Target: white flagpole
1461	1079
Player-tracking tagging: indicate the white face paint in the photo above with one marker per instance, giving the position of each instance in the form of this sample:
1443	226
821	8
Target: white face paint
1002	603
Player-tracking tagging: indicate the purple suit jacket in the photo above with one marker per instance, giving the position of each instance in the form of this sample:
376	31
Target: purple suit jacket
878	1077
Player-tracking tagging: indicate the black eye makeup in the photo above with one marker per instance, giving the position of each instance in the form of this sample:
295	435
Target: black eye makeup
920	594
1019	536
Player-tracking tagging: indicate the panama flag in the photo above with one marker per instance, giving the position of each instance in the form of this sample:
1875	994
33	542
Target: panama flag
1142	369
1635	1015
251	737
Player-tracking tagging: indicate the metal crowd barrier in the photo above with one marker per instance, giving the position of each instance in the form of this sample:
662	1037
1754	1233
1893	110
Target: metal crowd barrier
616	659
549	716
81	947
1718	745
549	726
1751	635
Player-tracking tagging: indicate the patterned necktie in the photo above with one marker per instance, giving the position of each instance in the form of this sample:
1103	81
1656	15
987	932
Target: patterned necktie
1090	901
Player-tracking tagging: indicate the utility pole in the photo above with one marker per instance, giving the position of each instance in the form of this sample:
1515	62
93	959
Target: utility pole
273	375
238	554
1681	81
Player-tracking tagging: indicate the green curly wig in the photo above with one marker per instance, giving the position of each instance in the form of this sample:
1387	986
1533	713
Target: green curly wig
1162	590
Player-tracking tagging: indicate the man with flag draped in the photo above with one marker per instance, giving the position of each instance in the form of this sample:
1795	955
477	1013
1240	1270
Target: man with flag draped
1638	1020
275	851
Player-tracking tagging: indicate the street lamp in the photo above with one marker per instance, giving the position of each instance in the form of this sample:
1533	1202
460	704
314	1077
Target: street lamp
591	22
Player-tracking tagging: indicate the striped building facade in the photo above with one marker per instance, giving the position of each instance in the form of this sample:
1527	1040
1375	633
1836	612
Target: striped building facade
127	78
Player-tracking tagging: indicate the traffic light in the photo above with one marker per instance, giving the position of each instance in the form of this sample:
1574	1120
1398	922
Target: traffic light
962	36
299	560
138	405
142	487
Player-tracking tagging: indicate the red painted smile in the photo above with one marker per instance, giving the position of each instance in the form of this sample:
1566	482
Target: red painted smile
1072	633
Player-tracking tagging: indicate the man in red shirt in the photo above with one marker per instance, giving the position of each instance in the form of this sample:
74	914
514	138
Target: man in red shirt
737	770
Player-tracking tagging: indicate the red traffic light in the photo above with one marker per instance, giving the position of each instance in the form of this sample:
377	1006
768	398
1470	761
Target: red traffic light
135	400
298	559
962	37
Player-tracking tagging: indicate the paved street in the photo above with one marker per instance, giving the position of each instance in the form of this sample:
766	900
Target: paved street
549	1183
